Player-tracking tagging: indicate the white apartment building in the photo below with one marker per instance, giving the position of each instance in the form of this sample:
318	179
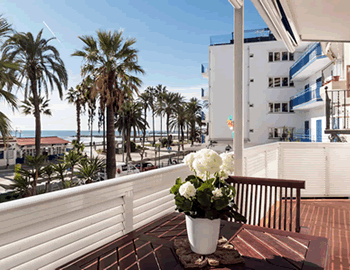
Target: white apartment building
282	90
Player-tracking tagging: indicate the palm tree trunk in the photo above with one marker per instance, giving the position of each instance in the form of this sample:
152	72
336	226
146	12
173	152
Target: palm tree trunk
37	117
161	128
187	131
154	135
178	136
167	130
182	137
134	134
128	137
78	121
110	166
104	130
91	123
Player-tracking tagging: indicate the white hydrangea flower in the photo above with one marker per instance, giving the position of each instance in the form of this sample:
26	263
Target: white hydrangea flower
188	160
227	166
187	190
207	162
217	193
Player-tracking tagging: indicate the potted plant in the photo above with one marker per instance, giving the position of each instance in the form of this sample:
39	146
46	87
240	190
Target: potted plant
205	198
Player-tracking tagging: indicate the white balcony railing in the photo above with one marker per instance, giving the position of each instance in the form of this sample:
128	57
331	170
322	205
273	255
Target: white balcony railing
49	230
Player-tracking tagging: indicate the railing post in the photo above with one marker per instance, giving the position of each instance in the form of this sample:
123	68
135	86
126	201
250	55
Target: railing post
297	229
128	211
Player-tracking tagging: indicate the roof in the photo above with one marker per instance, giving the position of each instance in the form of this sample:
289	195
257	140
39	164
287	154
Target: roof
43	141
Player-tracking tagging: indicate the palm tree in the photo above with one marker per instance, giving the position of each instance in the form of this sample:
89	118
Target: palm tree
89	169
29	108
112	60
169	100
74	96
7	79
61	170
35	163
40	65
194	116
179	117
144	102
161	91
72	158
48	171
130	116
151	91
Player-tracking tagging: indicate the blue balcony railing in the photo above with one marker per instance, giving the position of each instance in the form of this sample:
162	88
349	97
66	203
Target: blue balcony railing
203	116
204	92
204	68
253	35
310	55
306	96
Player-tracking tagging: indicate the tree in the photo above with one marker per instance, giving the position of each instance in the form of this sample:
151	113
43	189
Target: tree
29	108
161	91
169	101
48	171
74	96
35	163
178	118
89	169
61	170
113	61
40	65
7	80
151	91
72	158
130	116
194	116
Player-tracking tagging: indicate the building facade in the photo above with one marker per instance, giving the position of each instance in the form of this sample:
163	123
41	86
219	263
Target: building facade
282	90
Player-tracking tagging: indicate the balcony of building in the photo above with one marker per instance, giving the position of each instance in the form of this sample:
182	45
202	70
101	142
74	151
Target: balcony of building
307	99
49	230
252	35
311	61
204	93
205	70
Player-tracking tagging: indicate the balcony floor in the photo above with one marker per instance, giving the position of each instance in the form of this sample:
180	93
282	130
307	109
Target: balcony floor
330	218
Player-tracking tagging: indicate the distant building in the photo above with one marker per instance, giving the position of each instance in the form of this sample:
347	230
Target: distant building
18	148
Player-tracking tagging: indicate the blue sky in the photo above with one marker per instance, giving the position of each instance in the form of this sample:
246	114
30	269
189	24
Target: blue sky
172	39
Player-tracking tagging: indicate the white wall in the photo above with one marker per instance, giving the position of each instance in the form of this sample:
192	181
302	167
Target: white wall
257	93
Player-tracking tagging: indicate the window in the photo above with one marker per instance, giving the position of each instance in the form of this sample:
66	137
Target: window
291	56
280	82
284	56
277	56
284	107
280	56
285	82
251	55
277	82
1	154
279	107
279	132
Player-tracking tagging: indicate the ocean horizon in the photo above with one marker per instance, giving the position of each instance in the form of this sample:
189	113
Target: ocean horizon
70	135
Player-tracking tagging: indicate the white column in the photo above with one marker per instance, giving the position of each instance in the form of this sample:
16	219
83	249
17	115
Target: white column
238	140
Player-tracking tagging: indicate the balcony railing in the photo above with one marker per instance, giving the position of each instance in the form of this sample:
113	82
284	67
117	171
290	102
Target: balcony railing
307	57
337	112
204	68
204	93
253	35
308	95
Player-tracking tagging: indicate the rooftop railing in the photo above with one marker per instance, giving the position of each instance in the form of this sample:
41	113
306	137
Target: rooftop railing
253	35
310	54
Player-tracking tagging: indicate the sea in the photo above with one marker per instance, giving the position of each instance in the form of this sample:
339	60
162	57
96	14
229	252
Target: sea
70	135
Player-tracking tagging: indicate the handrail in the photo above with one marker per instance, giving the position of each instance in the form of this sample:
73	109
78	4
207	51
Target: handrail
266	181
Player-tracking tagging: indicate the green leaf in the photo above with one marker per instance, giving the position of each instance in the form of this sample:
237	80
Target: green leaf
204	197
175	189
206	185
220	204
178	181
